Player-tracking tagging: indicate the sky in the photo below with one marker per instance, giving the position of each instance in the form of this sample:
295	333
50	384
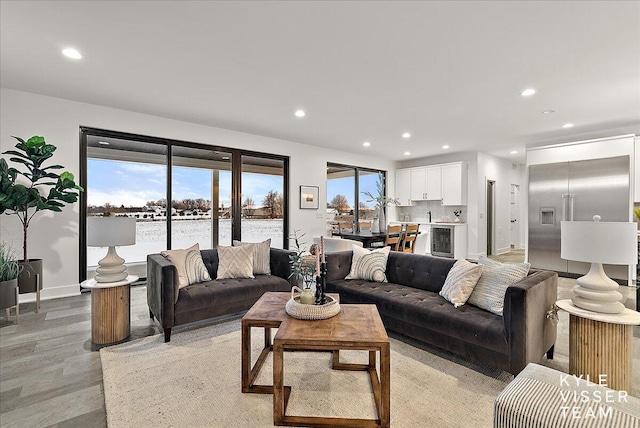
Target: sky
132	184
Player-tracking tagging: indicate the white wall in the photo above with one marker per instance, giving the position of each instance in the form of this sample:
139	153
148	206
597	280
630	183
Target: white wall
55	237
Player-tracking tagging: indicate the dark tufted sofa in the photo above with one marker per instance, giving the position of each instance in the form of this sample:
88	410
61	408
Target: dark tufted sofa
409	304
172	306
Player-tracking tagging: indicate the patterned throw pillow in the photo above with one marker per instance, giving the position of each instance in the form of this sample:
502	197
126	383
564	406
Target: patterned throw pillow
261	255
492	285
369	265
235	262
460	282
189	264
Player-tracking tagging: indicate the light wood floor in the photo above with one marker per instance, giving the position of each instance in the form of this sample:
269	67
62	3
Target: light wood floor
50	373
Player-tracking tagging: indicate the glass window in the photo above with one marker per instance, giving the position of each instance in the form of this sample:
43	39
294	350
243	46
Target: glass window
263	200
216	194
348	208
123	182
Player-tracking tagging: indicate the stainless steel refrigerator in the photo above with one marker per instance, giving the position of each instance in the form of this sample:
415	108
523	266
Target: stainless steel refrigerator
574	191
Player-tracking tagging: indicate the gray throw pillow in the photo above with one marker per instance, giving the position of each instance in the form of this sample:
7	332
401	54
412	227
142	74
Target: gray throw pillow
492	285
235	262
261	255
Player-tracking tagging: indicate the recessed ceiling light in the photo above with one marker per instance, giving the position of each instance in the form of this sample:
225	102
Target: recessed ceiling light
104	143
225	158
548	111
446	146
406	135
514	152
71	53
568	125
528	92
366	144
407	153
300	113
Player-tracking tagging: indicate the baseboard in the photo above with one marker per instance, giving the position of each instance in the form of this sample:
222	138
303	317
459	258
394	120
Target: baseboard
475	256
49	293
503	250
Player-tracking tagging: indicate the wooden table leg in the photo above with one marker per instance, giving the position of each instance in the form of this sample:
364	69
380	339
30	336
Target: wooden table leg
385	386
278	384
601	348
246	355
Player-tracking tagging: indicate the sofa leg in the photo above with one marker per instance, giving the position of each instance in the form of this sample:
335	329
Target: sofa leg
167	335
550	353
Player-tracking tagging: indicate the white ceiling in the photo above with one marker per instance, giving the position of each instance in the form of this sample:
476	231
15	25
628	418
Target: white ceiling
449	73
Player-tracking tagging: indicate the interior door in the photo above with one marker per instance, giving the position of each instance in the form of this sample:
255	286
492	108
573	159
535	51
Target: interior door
548	189
599	186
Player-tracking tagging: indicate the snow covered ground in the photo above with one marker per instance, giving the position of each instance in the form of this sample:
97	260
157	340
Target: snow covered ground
151	237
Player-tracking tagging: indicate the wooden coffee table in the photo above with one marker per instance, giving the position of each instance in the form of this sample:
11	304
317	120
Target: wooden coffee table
356	327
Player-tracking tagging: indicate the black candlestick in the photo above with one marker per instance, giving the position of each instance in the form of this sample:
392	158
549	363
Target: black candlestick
321	284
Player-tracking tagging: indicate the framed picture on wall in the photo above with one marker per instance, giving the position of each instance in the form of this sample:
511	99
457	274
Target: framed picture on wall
309	197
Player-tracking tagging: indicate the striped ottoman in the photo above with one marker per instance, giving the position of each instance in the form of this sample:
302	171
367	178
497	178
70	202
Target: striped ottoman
544	397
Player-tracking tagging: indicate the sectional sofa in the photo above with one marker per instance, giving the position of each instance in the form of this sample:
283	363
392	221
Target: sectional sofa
409	304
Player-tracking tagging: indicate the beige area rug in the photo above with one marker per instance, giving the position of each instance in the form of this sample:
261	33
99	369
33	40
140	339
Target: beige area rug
195	381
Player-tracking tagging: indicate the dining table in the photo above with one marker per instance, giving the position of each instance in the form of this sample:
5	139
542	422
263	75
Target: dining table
366	237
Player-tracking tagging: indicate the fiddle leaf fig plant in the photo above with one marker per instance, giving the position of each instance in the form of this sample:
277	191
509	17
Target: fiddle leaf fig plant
42	190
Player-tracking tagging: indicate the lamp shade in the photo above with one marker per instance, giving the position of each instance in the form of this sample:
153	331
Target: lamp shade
111	231
599	242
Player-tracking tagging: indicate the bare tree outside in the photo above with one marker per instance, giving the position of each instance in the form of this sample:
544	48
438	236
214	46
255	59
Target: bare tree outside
248	206
273	204
340	203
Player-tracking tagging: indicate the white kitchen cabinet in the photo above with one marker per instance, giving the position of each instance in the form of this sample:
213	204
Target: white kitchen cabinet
433	175
426	183
454	184
403	187
418	184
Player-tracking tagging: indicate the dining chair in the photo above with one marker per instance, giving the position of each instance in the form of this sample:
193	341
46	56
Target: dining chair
345	227
365	225
394	233
408	244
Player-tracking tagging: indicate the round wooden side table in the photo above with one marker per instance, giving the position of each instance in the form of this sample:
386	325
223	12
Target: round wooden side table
601	344
110	309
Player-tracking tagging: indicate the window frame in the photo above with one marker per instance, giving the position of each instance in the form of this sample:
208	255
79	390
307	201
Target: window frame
356	198
236	182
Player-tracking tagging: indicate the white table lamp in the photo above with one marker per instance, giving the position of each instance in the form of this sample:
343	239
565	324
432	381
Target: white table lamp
111	232
598	242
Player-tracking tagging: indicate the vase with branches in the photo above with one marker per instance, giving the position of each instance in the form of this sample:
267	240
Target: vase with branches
302	261
381	200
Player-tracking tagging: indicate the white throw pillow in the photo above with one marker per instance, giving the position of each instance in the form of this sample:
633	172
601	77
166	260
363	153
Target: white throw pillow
492	285
261	255
235	262
369	264
189	264
460	282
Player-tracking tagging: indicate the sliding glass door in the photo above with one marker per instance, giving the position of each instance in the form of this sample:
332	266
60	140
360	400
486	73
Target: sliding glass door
180	194
201	197
263	200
